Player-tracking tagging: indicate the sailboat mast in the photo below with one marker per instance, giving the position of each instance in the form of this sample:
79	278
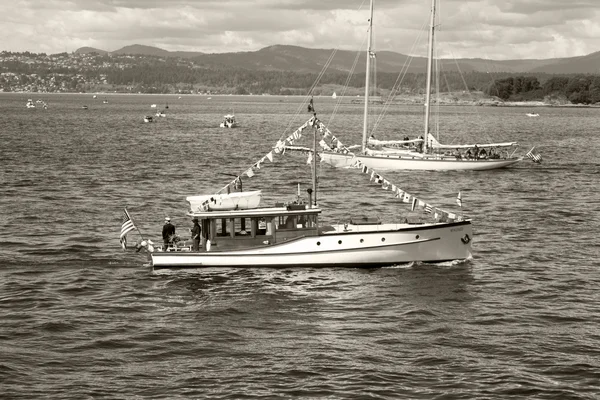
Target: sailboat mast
429	76
314	164
367	73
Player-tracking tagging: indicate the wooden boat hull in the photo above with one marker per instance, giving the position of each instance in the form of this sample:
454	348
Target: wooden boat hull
390	163
345	246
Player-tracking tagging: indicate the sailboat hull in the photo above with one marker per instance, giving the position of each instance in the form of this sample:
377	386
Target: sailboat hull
345	246
391	163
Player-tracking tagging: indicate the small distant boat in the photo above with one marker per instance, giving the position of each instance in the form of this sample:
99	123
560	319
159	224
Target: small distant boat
30	104
105	102
84	107
228	121
148	118
334	96
153	106
94	96
161	114
40	101
533	114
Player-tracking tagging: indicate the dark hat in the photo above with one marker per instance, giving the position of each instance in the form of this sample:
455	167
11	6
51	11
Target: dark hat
195	219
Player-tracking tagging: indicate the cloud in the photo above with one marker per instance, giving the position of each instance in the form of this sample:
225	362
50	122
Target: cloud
501	29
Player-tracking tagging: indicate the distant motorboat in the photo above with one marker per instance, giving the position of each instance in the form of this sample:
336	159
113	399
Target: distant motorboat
94	96
160	114
30	104
533	114
84	107
228	121
148	118
105	102
153	106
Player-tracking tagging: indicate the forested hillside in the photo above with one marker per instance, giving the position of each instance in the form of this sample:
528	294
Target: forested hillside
153	74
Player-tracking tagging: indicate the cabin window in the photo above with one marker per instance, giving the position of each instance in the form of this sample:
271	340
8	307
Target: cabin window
241	226
222	229
263	226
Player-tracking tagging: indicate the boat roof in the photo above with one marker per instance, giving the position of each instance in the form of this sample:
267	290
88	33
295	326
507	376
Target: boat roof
256	212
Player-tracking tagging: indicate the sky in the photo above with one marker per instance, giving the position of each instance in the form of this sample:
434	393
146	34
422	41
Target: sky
491	29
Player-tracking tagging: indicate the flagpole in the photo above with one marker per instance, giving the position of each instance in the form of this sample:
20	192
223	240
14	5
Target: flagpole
134	225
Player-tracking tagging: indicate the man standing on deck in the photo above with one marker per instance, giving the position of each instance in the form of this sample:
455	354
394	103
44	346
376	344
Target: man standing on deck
196	235
168	233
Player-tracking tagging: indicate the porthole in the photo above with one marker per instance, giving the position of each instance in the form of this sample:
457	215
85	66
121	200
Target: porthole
416	237
318	243
339	242
362	240
383	239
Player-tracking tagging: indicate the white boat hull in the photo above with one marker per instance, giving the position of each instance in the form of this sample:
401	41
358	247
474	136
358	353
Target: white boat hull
231	201
357	246
391	163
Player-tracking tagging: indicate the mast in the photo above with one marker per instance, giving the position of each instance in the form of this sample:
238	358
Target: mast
367	73
314	162
429	76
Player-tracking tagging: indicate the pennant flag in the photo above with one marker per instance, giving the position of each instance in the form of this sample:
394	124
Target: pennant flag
365	169
414	203
406	198
204	205
310	158
459	200
250	173
270	156
536	157
428	208
126	227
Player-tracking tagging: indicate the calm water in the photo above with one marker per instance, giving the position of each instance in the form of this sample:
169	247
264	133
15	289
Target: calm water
82	319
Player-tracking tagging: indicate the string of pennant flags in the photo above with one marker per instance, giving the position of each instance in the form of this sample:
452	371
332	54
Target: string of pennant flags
405	197
279	149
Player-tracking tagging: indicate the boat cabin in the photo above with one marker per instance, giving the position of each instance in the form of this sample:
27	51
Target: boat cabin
252	228
228	121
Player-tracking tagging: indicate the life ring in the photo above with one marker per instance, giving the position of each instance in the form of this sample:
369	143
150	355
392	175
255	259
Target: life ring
466	239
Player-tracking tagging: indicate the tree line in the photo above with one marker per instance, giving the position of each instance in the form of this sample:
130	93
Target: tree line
149	74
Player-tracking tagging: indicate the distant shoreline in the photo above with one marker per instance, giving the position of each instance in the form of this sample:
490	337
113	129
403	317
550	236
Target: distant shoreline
400	100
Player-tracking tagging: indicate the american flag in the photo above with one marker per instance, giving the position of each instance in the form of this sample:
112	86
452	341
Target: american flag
428	208
126	227
459	200
536	157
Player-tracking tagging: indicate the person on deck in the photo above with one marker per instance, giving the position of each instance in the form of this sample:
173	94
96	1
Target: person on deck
196	230
168	233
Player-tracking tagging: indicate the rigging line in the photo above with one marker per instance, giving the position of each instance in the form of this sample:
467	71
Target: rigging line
401	76
346	84
317	80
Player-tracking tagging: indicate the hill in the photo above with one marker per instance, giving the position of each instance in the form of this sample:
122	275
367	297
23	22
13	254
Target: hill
305	60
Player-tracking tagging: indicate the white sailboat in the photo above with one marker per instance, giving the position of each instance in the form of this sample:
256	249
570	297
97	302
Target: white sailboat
426	152
238	232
